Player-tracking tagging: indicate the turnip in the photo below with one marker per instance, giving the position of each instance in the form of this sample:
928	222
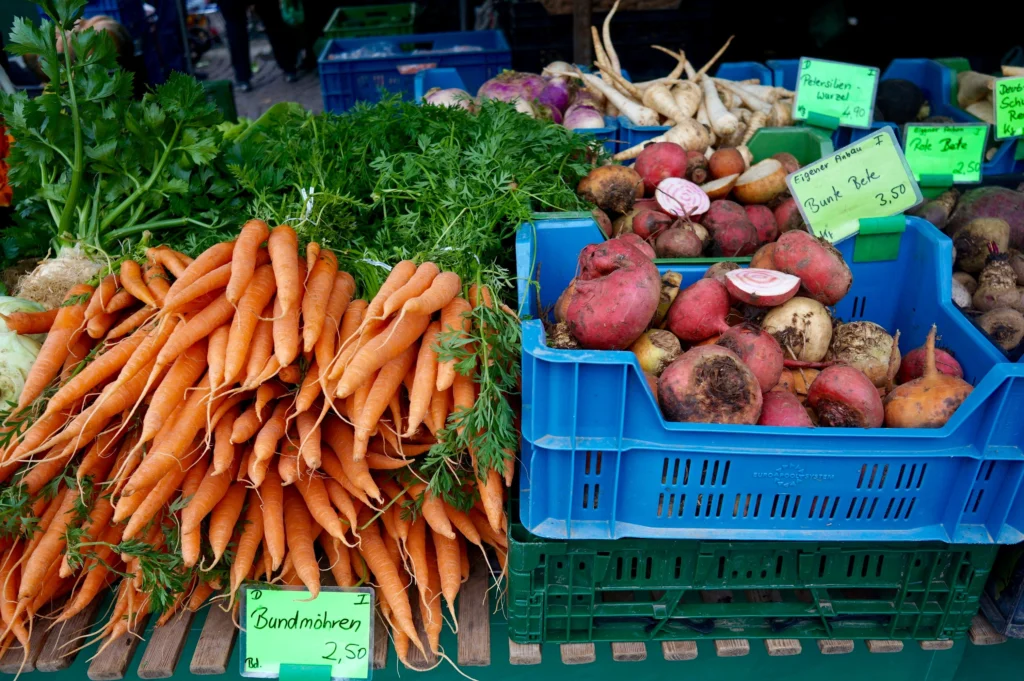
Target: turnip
788	161
913	364
973	242
637	242
782	408
761	287
725	162
699	311
928	401
557	93
802	326
638	114
649	223
731	230
681	198
583	117
554	68
611	188
824	273
509	86
451	97
615	295
761	183
843	397
764	223
709	384
867	347
758	350
656	349
678	242
720	270
659	161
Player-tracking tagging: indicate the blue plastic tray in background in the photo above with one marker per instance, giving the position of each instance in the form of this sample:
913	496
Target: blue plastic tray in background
599	461
345	81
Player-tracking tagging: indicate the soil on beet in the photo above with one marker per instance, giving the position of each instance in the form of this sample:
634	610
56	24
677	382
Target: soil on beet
720	391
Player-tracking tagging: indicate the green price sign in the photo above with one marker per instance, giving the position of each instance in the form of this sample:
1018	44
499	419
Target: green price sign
867	179
842	91
1009	103
282	627
947	150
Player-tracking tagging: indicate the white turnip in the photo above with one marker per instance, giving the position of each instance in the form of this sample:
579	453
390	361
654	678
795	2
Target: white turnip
451	97
867	347
583	117
802	326
655	350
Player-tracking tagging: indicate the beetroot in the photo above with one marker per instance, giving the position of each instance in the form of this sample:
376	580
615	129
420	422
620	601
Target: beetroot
787	216
731	230
764	257
658	161
615	296
843	397
636	241
758	350
991	202
719	270
709	384
649	223
696	167
603	221
913	363
764	222
783	408
760	287
678	242
821	268
699	311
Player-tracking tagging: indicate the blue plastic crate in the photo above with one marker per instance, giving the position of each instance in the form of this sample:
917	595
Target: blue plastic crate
128	13
343	82
599	461
432	78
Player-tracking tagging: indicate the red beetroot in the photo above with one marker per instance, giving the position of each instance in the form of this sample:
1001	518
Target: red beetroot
696	167
636	241
658	161
709	384
731	230
603	221
649	223
843	397
822	271
758	350
783	408
615	296
787	216
763	258
678	242
912	365
764	223
699	311
647	204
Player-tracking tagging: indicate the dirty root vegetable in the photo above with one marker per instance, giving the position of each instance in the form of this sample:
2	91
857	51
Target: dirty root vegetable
687	133
709	384
650	223
788	161
678	242
868	348
967	281
991	202
637	242
843	397
611	188
720	270
659	161
825	275
1005	326
733	233
761	288
1016	261
928	401
656	349
762	183
681	198
696	167
787	216
782	408
615	295
961	297
758	350
764	223
762	258
997	285
974	241
603	221
670	282
699	311
802	326
938	210
725	162
913	364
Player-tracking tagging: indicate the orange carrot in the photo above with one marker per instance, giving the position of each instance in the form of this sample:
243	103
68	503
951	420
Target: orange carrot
439	408
121	300
300	540
430	608
271	432
340	437
183	374
256	296
131	279
337	305
454	317
202	325
416	547
97	371
378	559
190	541
9	593
391	342
272	495
104	292
491	490
341	501
399	276
283	245
290	374
464	524
288	464
318	291
318	502
157	280
312	253
286	333
24	323
131	323
209	260
224	517
261	348
464	395
309	390
212	488
223	448
162	492
463	559
443	289
350	324
166	258
415	286
208	283
98	325
243	258
66	329
247	424
79	350
434	511
449	568
216	351
248	542
338	560
331	465
47	550
422	390
381	462
384	387
309	439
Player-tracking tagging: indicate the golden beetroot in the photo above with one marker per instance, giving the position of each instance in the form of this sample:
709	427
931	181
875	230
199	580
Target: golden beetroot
929	401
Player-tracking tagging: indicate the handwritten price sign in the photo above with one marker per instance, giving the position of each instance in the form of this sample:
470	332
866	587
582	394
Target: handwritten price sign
1009	103
831	88
284	627
867	179
956	150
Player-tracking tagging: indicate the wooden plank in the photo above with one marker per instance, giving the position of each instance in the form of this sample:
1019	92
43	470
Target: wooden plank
61	647
14	661
885	646
520	654
213	650
982	633
831	646
679	651
417	660
776	647
474	616
112	663
582	44
629	652
726	647
164	647
577	653
936	645
380	643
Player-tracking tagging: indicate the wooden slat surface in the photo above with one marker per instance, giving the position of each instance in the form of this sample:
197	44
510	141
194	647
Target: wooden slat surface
380	643
60	649
164	646
835	646
679	651
112	663
14	659
726	647
629	652
577	653
884	646
776	647
213	650
982	633
475	616
936	645
523	653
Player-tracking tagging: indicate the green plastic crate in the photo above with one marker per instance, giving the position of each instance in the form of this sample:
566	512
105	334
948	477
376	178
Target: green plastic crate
663	590
806	144
372	20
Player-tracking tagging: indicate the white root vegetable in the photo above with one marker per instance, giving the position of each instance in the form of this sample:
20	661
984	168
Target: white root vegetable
678	69
722	122
601	57
687	95
973	87
690	73
659	98
782	113
751	101
982	110
688	133
711	62
748	157
767	93
757	121
728	100
638	114
613	58
1013	70
736	138
623	85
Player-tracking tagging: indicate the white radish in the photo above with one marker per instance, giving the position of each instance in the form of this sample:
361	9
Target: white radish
659	98
722	122
687	133
609	48
638	114
687	95
757	121
752	102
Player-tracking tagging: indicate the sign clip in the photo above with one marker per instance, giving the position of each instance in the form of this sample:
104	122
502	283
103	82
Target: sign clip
879	238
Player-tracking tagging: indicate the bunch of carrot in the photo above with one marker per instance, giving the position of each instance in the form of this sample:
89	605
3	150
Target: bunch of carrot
199	423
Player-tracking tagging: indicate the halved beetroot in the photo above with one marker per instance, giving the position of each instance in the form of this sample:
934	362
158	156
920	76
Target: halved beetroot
681	198
762	183
761	288
720	188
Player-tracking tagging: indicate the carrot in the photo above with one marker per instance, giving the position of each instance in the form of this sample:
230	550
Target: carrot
443	289
256	297
384	387
422	391
415	286
464	395
215	353
79	350
318	290
121	300
338	560
380	462
439	408
379	561
247	424
449	568
104	292
131	323
300	540
340	437
454	317
404	449
358	398
98	460
162	492
272	495
165	257
223	448
309	439
224	517
9	591
288	464
248	542
38	433
286	333
314	492
491	491
98	325
337	304
157	281
312	253
183	374
431	609
350	324
434	511
331	465
261	348
271	432
66	329
208	283
416	547
391	342
309	390
202	325
190	541
24	323
390	538
48	549
211	490
95	525
399	276
131	279
283	245
341	500
209	260
243	258
97	371
464	524
199	596
97	576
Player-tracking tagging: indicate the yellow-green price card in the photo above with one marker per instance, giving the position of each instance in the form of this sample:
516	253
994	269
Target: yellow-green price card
837	90
283	630
937	149
1009	105
867	179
